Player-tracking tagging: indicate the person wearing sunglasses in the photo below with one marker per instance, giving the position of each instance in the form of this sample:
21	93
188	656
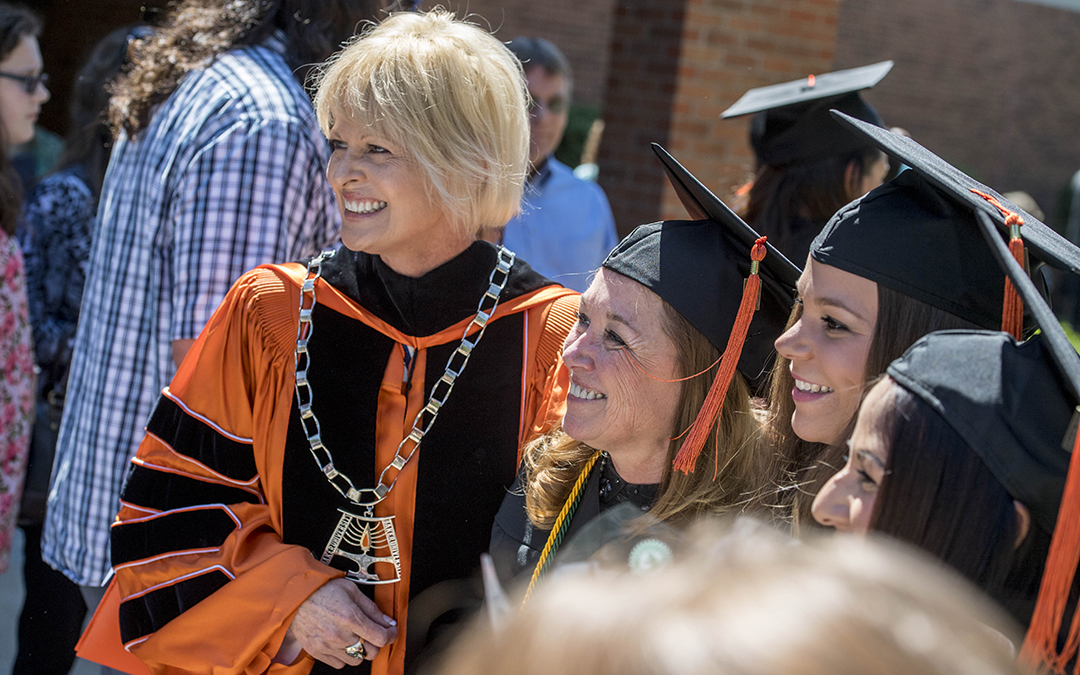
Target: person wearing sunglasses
19	56
30	83
23	87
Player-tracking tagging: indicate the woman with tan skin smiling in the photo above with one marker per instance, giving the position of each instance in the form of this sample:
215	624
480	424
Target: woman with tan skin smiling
318	481
903	261
665	309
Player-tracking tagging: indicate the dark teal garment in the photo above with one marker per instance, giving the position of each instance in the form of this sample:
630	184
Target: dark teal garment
516	544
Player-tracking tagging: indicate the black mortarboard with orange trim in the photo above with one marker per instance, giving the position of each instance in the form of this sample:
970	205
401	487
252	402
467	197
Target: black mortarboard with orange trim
1015	403
700	268
917	234
793	125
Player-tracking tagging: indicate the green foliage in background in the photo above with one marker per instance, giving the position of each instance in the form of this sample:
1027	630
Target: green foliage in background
1074	337
577	130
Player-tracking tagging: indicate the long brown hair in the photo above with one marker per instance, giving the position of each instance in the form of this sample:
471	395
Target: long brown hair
554	461
939	495
198	31
781	196
803	466
15	24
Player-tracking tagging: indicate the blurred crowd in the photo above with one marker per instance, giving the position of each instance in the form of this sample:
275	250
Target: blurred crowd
822	427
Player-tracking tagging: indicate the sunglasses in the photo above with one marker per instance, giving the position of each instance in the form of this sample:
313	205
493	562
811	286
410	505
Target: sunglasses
30	82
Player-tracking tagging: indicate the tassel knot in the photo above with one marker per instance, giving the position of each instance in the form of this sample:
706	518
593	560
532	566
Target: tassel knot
757	252
1012	310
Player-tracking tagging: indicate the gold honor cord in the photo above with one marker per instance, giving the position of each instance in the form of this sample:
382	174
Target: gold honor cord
562	523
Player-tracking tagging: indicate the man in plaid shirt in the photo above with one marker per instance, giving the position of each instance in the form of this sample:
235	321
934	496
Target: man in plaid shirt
218	167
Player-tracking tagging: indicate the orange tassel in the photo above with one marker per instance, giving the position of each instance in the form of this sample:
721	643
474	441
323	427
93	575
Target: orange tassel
1012	310
691	448
1040	643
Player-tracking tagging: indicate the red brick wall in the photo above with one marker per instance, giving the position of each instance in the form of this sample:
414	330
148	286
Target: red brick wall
992	86
581	30
730	46
675	67
642	80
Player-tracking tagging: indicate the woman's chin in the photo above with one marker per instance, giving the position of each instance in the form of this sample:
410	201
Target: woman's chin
574	430
813	430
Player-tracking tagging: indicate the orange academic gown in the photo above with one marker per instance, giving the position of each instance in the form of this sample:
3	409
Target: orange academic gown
225	514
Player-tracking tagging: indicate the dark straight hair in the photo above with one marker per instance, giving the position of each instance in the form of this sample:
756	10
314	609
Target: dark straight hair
782	196
803	467
940	496
536	51
15	24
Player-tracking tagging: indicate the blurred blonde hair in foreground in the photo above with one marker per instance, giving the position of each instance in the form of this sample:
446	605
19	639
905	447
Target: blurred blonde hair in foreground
746	601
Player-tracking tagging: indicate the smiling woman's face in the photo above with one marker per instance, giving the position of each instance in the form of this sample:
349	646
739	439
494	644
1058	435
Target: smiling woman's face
827	348
847	500
613	405
385	208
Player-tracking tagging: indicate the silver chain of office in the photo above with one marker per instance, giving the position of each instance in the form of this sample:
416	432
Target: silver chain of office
455	365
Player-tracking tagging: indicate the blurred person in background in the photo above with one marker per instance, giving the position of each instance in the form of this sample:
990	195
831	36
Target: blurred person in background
38	157
58	221
217	167
22	92
747	601
565	228
808	165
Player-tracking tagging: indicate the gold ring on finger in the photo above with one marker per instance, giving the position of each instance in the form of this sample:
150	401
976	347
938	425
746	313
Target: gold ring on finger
358	650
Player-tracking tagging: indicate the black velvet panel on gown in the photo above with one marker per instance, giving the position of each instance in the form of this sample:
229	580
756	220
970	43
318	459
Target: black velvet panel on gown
467	460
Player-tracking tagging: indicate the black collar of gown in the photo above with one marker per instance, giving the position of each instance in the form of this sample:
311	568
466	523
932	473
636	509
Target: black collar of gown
615	490
422	306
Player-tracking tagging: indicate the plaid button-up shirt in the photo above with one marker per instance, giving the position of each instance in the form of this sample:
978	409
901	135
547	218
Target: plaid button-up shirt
229	174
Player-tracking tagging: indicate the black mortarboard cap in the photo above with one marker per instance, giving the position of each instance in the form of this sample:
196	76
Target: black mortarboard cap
1006	400
1011	402
793	125
917	234
1014	403
1048	246
699	266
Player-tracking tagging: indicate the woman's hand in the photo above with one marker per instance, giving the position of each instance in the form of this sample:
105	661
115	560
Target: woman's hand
335	617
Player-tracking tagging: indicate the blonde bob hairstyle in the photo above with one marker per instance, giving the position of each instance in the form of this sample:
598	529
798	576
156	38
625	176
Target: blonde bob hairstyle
452	96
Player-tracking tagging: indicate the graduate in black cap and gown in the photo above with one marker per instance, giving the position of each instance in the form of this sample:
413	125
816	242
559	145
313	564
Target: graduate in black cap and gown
808	165
963	450
659	412
905	260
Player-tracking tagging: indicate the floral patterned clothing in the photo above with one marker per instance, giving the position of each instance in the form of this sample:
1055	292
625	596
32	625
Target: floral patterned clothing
58	227
16	388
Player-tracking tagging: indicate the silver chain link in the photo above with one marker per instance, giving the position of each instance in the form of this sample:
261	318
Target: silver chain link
455	365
